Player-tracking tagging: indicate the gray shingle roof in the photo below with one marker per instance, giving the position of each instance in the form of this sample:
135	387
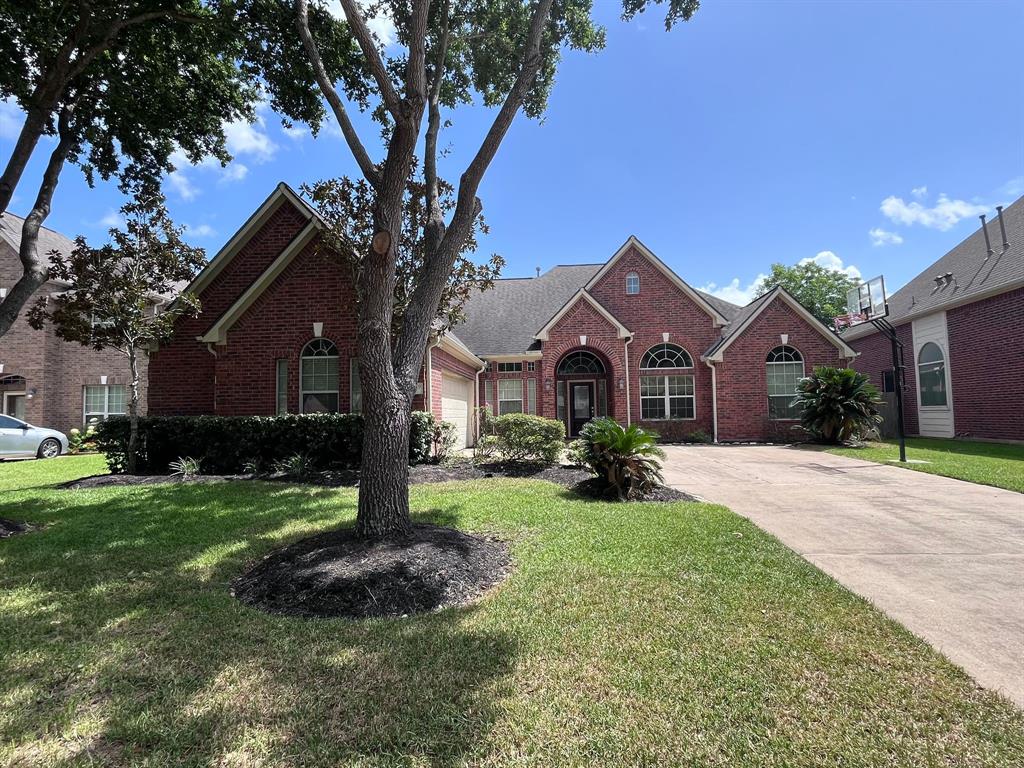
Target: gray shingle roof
737	317
974	275
49	240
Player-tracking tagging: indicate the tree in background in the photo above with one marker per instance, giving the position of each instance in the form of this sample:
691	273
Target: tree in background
450	53
121	86
821	290
125	295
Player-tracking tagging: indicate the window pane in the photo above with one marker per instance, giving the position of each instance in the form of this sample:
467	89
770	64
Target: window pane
489	395
680	385
95	399
510	406
932	381
602	397
681	408
652	407
652	386
782	407
118	399
560	398
321	402
282	386
510	389
531	395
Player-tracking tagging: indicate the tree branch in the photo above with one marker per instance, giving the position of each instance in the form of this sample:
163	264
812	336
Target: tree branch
348	130
34	274
392	101
435	222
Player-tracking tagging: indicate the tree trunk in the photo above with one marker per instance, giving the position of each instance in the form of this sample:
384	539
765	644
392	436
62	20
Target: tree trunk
133	413
28	137
384	479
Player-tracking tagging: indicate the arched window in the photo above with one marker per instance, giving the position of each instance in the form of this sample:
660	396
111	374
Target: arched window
632	283
580	361
785	369
666	356
931	375
318	376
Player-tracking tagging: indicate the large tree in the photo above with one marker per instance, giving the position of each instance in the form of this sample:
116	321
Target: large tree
820	289
448	53
120	85
126	294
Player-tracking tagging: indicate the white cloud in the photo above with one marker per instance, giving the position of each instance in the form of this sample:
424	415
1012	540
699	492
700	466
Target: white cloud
732	291
11	119
112	219
200	230
1013	189
235	172
945	214
920	192
881	236
295	132
381	25
829	260
249	139
183	186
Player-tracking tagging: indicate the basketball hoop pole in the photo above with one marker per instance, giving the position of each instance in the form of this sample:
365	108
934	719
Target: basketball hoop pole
889	331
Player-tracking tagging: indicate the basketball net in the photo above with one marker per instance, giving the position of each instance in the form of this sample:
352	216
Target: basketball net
849	319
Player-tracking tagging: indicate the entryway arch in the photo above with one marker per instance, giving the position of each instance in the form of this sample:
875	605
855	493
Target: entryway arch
582	377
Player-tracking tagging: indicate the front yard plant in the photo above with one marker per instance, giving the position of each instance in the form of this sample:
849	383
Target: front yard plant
837	404
667	634
627	459
523	438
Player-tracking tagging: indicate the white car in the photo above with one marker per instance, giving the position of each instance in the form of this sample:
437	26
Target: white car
20	440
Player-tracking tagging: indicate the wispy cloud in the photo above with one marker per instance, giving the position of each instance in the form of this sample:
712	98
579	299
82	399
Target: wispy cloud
944	215
920	192
111	219
733	291
250	140
11	119
381	25
880	237
1012	189
829	260
200	230
181	184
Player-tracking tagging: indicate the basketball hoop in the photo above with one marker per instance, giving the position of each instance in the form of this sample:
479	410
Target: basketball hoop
850	319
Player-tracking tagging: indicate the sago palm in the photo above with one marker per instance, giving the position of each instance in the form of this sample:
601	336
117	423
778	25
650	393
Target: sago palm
837	404
629	459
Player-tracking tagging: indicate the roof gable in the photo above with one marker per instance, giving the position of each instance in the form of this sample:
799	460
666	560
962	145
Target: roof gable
749	314
582	295
696	296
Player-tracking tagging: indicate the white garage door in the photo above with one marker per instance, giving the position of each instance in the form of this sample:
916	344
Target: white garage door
455	400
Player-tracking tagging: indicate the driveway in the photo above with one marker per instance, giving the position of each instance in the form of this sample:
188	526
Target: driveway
943	557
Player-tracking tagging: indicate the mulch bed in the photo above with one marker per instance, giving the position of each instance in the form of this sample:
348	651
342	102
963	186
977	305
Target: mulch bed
10	528
337	574
105	481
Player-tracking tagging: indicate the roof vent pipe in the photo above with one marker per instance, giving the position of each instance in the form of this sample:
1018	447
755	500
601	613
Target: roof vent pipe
1002	227
538	271
988	245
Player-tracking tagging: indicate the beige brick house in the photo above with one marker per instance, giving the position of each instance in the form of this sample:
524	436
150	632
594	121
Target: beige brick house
44	380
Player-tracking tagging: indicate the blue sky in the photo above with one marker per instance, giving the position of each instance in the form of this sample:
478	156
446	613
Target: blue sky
867	135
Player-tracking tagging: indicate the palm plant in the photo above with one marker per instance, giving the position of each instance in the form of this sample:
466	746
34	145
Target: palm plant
628	459
837	404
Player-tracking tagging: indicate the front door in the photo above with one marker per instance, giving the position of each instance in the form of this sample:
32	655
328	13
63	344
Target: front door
14	404
581	405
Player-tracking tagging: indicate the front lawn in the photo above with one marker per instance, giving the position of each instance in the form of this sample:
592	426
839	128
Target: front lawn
995	464
654	634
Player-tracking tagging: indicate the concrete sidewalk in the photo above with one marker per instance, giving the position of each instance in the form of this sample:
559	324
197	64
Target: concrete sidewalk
943	557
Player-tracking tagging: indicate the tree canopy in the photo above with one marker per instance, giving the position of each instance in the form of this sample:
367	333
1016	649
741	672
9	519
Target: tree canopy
820	289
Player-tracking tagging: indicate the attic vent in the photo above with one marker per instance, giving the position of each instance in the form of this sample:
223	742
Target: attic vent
1002	227
988	245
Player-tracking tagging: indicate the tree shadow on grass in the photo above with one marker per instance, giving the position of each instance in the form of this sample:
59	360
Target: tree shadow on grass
122	628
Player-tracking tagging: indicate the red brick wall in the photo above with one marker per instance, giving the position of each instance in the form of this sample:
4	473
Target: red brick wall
57	370
876	357
183	372
660	307
742	376
986	351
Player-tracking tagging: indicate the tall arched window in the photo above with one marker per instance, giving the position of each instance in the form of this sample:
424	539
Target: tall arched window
931	375
580	361
666	356
318	376
785	369
632	283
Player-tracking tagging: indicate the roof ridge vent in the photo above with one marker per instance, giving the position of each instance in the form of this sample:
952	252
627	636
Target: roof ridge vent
988	245
1002	227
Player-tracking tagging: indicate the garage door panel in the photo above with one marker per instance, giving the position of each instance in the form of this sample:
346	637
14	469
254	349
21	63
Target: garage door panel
455	403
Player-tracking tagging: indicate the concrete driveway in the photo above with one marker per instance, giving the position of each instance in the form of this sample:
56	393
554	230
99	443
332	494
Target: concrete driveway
943	557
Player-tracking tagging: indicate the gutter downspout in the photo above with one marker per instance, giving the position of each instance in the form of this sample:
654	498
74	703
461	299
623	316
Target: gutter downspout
428	380
212	351
476	403
629	405
714	399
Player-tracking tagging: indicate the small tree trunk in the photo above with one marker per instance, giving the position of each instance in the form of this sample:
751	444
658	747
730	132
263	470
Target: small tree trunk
28	137
133	413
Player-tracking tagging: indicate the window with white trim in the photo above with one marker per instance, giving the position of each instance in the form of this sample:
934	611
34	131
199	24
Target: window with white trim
580	362
632	284
510	367
355	387
665	356
101	402
931	376
531	396
318	377
510	396
281	379
785	368
531	366
667	398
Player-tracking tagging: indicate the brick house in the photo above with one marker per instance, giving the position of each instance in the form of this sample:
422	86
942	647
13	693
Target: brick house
626	337
43	379
961	323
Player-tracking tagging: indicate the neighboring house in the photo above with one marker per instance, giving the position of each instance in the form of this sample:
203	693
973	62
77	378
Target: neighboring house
43	379
627	338
961	323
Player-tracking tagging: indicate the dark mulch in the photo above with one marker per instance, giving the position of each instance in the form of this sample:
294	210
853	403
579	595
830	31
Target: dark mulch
594	488
10	528
336	574
104	481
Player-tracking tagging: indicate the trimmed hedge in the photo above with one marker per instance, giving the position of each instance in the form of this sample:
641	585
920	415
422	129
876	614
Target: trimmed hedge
525	438
234	444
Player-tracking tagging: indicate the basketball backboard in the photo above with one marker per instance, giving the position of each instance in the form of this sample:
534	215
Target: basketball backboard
864	303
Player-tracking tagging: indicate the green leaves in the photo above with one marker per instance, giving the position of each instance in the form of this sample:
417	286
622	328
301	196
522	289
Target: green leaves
822	291
628	458
837	404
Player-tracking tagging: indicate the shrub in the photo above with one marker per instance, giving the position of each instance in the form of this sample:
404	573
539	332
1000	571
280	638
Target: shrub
296	465
628	460
443	441
525	438
230	444
576	453
837	404
185	466
486	448
698	436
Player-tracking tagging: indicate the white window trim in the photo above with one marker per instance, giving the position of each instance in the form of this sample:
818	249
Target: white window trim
674	368
278	391
303	392
509	366
630	277
803	374
667	398
105	414
510	399
945	370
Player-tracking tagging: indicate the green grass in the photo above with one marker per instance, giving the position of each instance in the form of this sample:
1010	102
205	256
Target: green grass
628	635
995	464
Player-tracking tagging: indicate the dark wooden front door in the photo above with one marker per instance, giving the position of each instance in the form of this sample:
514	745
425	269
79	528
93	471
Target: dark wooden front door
581	405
